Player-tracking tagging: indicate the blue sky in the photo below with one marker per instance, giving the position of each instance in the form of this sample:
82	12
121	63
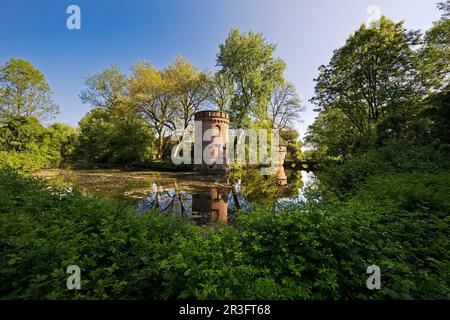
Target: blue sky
122	32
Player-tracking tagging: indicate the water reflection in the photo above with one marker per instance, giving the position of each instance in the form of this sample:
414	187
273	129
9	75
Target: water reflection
217	202
171	200
308	180
211	205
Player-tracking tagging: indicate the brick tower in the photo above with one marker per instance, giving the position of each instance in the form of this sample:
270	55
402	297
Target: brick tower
211	129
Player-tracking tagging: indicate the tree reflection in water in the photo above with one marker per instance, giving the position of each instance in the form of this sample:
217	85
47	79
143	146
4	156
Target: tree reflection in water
216	203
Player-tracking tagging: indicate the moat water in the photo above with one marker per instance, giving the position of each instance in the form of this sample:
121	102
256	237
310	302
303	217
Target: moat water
202	198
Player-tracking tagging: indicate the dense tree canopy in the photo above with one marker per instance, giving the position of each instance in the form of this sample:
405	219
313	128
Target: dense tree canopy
168	99
294	146
27	145
21	134
151	98
247	60
374	87
191	91
222	92
111	137
106	89
60	142
435	53
25	100
24	91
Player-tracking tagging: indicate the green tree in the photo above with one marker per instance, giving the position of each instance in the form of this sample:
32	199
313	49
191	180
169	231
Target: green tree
95	132
106	89
21	134
133	138
60	141
284	107
112	132
168	99
247	60
109	136
190	91
294	145
24	91
370	80
431	126
222	92
435	53
151	96
332	135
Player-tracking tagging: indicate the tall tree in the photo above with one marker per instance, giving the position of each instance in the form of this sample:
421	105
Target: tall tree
152	97
59	142
191	91
24	91
247	59
372	79
106	89
284	106
222	91
432	125
435	53
107	136
112	131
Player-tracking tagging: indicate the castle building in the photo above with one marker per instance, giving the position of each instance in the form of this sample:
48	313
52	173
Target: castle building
211	133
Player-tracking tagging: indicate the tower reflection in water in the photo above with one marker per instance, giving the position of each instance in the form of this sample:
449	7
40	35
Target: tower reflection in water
214	204
211	206
204	206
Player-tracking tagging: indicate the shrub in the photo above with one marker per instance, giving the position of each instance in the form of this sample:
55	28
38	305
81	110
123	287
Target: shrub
121	254
395	157
23	161
306	251
399	223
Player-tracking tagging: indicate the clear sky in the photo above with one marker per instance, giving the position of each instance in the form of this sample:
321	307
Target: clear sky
123	32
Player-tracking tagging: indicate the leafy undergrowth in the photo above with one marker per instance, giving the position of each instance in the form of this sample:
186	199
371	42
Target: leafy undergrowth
308	251
395	157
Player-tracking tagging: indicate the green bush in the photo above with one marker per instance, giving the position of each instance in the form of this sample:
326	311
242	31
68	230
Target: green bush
110	136
307	251
407	232
24	161
121	254
27	146
399	223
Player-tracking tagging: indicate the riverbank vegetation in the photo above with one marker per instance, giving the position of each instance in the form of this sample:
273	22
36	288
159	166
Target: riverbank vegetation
308	251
